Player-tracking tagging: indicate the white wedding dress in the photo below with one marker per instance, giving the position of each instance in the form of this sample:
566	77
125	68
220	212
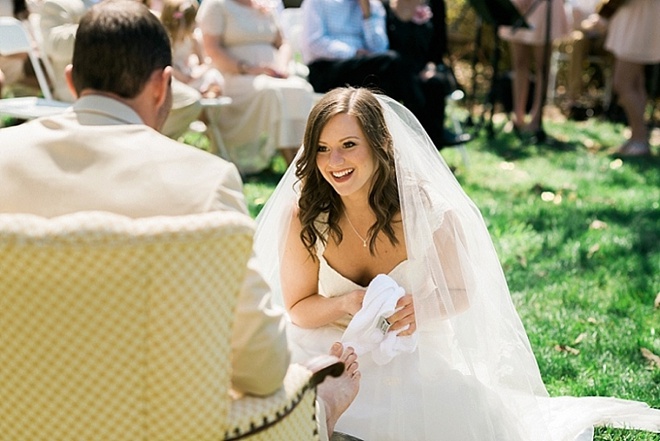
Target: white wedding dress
388	406
473	375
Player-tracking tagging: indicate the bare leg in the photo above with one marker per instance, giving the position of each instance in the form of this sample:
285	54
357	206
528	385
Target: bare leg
338	393
537	104
629	85
521	58
577	57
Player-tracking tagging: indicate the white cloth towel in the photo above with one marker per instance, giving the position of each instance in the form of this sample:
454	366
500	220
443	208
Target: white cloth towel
367	331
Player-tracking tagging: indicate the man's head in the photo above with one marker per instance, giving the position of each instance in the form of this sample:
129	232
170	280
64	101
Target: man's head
122	50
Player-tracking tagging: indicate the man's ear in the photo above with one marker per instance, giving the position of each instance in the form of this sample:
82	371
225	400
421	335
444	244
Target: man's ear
68	75
163	81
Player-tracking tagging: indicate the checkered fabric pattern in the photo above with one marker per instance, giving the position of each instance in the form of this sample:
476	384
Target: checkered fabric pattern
114	328
117	329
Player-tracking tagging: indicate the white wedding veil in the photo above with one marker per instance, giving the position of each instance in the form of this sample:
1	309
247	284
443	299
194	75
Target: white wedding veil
479	375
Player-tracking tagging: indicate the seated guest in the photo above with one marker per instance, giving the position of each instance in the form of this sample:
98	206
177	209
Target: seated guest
418	32
345	42
189	62
59	22
269	107
105	154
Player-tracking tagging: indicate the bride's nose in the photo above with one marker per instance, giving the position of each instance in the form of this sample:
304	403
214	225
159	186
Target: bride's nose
336	157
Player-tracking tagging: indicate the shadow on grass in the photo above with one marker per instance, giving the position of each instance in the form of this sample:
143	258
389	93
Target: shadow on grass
559	138
626	245
512	147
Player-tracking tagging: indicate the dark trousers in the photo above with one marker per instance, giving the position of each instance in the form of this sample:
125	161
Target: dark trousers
390	74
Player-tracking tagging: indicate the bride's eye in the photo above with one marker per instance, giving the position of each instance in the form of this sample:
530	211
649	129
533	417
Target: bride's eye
321	149
349	144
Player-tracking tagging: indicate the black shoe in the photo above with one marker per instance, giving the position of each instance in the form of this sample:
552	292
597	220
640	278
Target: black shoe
540	136
450	139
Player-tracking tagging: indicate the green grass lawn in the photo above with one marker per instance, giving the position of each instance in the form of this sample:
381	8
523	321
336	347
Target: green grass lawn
578	235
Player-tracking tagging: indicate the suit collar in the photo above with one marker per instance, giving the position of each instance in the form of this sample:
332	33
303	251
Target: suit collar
112	110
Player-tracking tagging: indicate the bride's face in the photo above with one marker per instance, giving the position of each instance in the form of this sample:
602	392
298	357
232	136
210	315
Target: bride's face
344	156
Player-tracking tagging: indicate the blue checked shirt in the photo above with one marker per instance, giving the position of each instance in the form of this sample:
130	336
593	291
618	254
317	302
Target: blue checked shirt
336	30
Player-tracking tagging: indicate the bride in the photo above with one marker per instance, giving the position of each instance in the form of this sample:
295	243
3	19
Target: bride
370	239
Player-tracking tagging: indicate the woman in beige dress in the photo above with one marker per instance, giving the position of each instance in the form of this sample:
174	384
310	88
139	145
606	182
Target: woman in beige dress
270	107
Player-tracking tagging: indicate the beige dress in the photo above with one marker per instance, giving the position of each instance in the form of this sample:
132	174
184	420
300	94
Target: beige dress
534	12
267	113
633	33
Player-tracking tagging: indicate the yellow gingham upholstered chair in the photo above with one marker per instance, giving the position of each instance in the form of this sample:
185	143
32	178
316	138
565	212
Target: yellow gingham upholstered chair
115	329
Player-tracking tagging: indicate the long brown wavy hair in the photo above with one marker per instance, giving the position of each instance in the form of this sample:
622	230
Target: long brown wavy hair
317	195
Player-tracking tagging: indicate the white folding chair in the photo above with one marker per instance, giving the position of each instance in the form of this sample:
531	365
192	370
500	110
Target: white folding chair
15	39
34	26
30	107
291	24
212	130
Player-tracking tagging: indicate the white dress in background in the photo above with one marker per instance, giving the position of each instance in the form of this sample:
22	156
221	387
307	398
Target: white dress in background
267	113
537	19
633	32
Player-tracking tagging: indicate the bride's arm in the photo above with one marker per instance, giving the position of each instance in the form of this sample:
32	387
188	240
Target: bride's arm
299	277
450	243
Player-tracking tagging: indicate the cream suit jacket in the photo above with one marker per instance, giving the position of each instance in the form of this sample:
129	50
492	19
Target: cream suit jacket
99	155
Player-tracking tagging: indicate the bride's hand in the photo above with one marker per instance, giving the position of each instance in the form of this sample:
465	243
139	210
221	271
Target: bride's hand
404	316
352	301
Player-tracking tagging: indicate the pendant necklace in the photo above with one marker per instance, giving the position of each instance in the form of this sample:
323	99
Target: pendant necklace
364	241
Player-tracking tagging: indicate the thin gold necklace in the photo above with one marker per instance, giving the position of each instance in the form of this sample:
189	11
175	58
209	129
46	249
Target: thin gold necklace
364	241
